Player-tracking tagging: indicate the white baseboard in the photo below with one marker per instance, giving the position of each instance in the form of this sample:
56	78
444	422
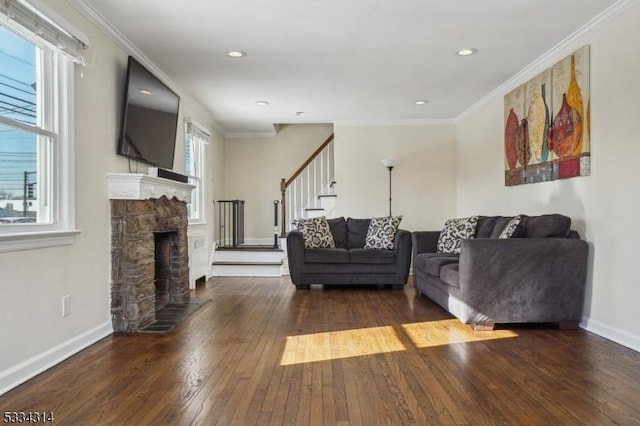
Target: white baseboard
24	371
622	337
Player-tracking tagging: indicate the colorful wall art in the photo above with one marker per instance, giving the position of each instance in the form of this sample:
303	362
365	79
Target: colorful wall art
546	130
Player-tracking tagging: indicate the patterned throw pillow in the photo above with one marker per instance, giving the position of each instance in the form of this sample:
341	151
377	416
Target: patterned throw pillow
511	227
456	230
382	232
315	232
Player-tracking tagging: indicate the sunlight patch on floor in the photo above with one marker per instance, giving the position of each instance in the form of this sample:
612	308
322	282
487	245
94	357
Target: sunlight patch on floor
376	340
447	332
340	344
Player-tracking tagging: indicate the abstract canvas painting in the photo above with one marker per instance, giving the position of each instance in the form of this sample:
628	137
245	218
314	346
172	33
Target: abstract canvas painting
547	124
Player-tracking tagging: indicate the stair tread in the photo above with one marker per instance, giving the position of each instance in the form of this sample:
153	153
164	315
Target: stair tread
327	195
314	209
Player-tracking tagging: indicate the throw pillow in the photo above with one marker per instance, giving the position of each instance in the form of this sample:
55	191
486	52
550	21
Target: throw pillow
382	232
315	232
511	227
454	231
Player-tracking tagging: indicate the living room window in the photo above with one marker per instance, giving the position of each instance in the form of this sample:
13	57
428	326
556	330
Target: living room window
195	141
37	58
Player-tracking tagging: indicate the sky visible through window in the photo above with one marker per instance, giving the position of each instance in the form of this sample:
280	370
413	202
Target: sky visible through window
18	148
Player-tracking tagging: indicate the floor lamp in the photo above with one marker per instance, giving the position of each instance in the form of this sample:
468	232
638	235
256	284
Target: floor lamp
389	163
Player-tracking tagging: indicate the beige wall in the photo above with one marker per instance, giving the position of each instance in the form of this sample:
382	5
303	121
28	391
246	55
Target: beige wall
604	206
256	165
423	182
33	282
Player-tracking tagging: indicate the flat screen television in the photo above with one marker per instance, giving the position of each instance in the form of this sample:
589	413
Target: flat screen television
149	118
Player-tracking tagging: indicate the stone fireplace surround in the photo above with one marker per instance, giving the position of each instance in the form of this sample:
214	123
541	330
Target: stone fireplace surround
148	216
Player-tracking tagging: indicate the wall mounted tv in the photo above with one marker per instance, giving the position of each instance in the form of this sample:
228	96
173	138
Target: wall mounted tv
149	118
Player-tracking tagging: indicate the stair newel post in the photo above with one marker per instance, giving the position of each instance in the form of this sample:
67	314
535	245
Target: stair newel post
283	189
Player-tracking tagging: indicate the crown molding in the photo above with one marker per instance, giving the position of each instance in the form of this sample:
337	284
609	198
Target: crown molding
391	123
128	47
556	53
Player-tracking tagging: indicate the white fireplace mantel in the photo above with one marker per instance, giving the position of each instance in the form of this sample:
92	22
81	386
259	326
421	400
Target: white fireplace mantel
138	186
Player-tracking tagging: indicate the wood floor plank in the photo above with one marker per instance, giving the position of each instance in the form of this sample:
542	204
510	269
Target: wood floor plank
261	353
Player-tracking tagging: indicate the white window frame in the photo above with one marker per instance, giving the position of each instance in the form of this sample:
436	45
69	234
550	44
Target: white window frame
196	139
58	227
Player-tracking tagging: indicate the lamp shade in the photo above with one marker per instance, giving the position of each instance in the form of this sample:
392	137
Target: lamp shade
389	162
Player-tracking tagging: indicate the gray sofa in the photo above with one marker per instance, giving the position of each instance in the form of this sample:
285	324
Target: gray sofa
349	263
536	277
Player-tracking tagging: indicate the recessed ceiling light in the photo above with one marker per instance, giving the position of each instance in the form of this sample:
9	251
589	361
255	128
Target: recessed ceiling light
145	91
262	103
466	52
236	53
421	102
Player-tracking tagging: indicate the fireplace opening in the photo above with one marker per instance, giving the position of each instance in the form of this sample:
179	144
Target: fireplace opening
162	276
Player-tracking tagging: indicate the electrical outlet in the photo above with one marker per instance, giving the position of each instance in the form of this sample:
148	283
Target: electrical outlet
66	306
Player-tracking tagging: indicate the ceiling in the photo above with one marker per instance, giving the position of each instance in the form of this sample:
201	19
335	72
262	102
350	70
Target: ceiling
341	61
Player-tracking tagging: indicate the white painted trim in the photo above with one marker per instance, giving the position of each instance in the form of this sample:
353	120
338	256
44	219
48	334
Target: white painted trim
128	47
622	337
138	186
37	240
27	127
403	122
24	371
58	226
556	53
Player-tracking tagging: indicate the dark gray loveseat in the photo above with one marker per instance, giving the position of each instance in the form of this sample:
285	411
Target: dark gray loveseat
537	277
349	263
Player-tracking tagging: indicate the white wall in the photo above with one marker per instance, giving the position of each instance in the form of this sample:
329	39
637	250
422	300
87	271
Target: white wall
423	182
603	206
33	282
256	165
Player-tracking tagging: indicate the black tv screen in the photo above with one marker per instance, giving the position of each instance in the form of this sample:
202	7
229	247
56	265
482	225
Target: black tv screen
149	118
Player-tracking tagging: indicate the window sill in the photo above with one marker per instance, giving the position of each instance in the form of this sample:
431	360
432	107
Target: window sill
36	240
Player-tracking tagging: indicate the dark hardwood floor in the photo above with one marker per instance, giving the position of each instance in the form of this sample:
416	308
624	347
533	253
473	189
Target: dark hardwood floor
260	352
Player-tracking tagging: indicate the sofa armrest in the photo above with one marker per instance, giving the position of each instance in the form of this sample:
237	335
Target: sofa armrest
402	250
524	279
295	255
425	241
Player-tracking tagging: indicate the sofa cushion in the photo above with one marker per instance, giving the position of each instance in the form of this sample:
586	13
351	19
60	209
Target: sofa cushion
485	226
375	256
501	224
338	228
430	263
326	255
357	232
315	232
511	229
450	274
454	231
547	226
382	232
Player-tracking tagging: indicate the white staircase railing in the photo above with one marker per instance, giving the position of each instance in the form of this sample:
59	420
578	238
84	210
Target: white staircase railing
300	192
